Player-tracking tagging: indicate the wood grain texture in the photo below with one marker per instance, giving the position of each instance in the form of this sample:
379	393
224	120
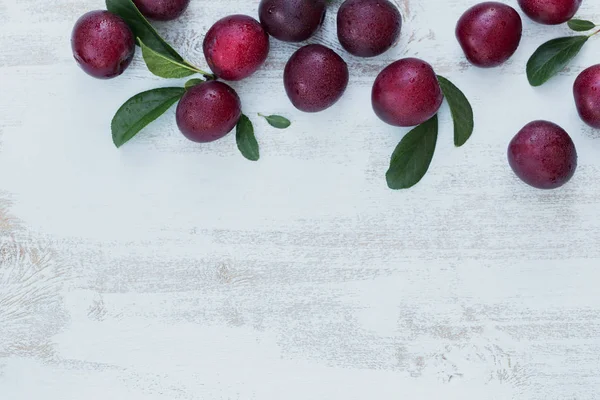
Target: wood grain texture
169	270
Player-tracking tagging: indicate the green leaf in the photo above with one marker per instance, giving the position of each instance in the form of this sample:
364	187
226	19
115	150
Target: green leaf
141	27
412	157
551	57
580	25
193	82
140	110
277	121
163	66
462	112
246	141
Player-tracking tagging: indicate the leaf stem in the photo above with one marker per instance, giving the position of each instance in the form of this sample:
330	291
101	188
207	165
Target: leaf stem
261	115
595	33
210	77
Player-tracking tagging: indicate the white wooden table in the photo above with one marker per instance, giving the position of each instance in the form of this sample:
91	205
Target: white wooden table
169	270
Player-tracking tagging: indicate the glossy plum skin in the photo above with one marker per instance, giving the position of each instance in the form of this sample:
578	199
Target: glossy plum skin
368	28
102	44
543	155
292	20
406	93
236	47
489	33
587	96
162	10
315	78
208	111
550	12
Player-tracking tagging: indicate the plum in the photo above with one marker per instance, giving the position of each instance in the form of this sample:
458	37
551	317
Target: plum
587	95
102	44
235	47
162	10
550	12
315	78
368	28
208	111
543	155
291	20
406	93
489	33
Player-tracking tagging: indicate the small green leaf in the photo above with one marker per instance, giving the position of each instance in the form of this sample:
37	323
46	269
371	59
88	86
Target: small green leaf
163	66
141	27
193	82
277	121
246	141
462	112
140	110
412	157
580	25
551	57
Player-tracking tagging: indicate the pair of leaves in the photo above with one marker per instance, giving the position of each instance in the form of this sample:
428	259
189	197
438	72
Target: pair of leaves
161	59
551	57
245	138
412	157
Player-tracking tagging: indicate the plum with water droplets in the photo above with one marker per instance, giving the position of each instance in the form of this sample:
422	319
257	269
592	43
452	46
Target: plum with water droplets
550	12
292	20
587	95
162	10
208	111
368	28
315	78
406	93
102	44
543	155
235	47
489	33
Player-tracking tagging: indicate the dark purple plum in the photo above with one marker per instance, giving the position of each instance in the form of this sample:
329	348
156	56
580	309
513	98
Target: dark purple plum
489	33
102	44
587	95
406	93
543	155
368	28
315	78
208	111
550	12
291	20
162	10
236	47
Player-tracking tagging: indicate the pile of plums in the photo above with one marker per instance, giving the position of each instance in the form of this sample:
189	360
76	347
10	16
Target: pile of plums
405	93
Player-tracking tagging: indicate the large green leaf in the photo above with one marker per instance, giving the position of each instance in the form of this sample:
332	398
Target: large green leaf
551	57
163	66
462	112
412	157
140	110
